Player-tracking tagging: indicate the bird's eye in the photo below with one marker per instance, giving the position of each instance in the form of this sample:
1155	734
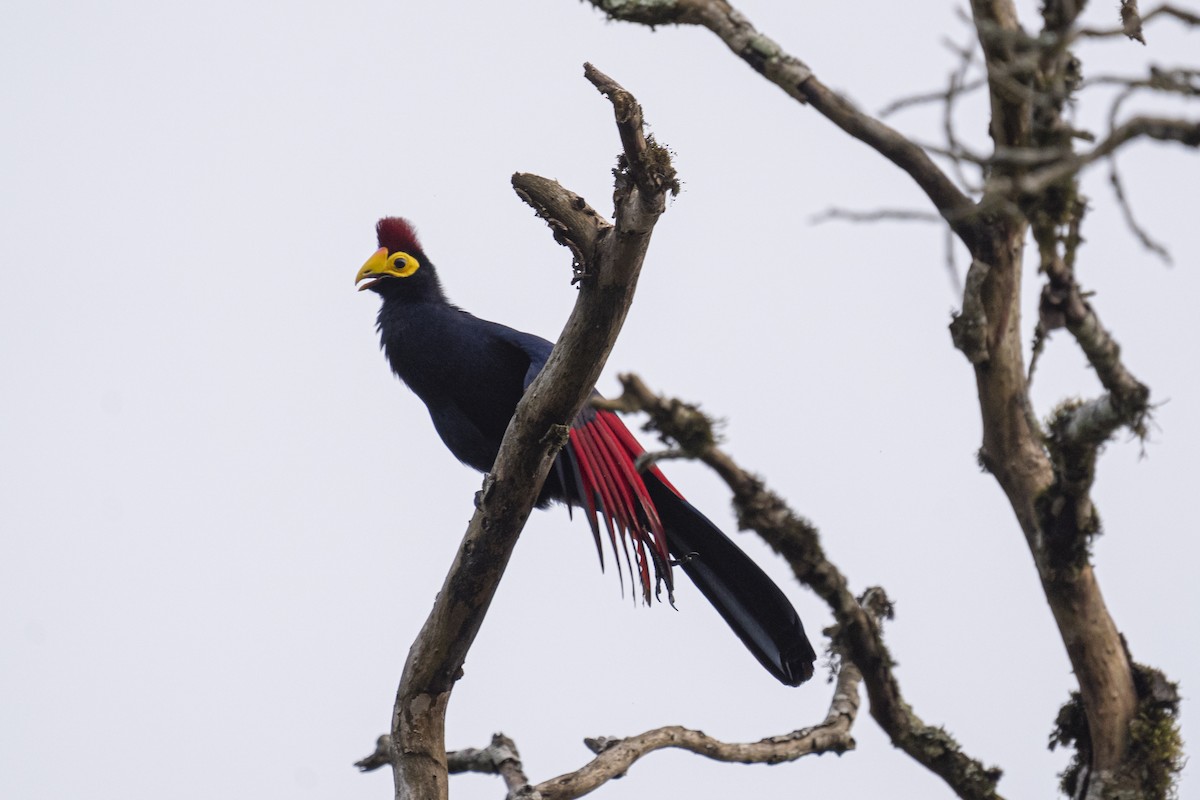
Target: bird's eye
403	265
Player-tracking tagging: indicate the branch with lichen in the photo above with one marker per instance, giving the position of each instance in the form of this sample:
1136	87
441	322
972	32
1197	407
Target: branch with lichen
1133	21
1030	185
1048	475
1156	755
795	78
1049	197
1066	166
614	756
498	758
797	540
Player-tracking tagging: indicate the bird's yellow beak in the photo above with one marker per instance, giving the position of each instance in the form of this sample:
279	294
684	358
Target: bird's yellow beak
376	267
382	265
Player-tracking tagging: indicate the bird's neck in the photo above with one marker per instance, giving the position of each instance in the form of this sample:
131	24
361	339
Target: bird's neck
412	335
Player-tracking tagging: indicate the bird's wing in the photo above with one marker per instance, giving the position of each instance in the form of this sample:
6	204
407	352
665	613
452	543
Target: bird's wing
596	471
599	465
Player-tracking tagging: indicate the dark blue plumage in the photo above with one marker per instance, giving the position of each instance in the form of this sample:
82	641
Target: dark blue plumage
471	373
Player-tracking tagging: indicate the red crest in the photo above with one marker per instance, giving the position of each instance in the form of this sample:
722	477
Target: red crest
397	235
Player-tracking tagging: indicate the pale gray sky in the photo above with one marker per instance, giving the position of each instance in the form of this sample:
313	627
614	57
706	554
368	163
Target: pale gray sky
224	520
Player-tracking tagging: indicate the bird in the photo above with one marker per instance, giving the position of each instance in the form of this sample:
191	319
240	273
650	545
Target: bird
471	373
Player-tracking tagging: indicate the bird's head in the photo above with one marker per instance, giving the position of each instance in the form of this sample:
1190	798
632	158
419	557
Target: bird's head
399	268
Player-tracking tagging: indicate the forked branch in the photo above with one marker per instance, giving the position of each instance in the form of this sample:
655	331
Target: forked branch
614	757
795	78
613	255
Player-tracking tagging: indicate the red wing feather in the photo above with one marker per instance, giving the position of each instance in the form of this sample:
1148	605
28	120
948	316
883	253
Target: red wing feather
627	516
633	448
606	451
594	490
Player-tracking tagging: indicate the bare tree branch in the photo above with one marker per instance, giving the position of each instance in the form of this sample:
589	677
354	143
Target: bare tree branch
1142	235
1077	430
1003	43
614	757
798	542
928	97
1162	129
969	328
1184	82
891	215
537	431
1132	22
1177	80
384	755
498	758
956	86
1051	504
879	215
1030	186
795	78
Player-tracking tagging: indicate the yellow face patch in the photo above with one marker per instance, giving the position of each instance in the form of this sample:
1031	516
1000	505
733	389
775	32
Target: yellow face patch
384	265
402	265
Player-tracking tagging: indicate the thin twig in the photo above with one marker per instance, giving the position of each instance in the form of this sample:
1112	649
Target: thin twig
879	215
1162	129
1136	23
928	97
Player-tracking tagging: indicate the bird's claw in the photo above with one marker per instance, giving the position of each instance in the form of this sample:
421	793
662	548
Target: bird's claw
684	559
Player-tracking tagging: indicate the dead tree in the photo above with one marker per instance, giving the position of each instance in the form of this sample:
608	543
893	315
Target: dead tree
1122	721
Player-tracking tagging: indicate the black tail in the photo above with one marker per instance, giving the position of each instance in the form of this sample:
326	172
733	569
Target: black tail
745	597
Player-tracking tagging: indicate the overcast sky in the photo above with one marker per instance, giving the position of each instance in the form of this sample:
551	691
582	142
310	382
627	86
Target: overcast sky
224	520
